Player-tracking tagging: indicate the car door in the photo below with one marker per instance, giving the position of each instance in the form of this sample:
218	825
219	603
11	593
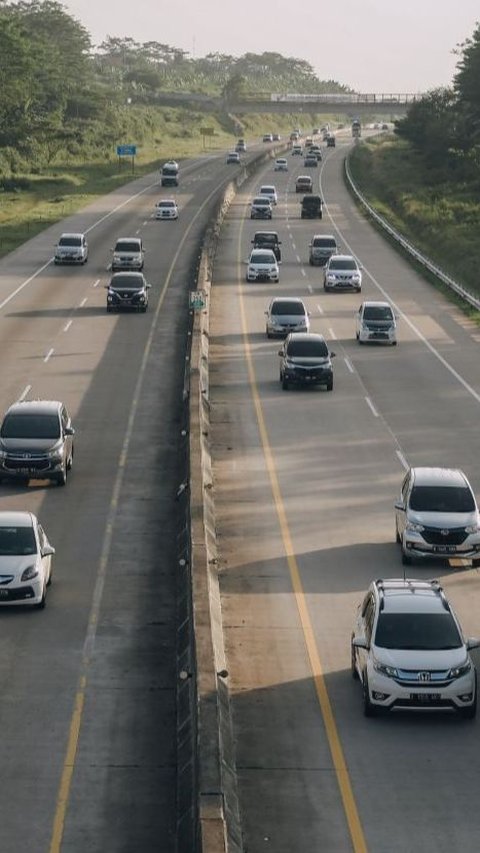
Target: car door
359	317
67	439
45	558
367	617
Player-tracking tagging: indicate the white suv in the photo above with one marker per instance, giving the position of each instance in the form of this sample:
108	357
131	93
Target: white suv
375	322
262	266
270	191
71	249
437	516
409	652
342	272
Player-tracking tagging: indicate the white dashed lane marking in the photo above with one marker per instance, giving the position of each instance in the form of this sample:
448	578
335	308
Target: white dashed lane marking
67	326
49	354
371	407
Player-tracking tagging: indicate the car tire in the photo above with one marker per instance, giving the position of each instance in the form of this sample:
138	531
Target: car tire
49	582
61	479
471	712
70	461
398	538
369	710
268	334
284	385
394	343
354	671
144	309
43	601
330	385
406	560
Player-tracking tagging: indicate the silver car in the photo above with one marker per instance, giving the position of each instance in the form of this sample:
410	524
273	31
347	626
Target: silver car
342	272
128	254
285	315
36	441
321	248
437	516
71	249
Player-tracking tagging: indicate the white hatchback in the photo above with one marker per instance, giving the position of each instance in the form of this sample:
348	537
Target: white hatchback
25	560
262	266
270	191
166	209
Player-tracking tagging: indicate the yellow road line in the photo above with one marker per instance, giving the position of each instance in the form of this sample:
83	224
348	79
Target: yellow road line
338	758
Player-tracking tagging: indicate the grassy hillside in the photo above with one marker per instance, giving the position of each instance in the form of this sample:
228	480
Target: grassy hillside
440	216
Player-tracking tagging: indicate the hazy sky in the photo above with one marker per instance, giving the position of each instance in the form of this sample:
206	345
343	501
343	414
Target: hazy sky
372	45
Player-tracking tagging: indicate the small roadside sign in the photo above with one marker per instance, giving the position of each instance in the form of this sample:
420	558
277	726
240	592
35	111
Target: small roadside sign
198	300
126	150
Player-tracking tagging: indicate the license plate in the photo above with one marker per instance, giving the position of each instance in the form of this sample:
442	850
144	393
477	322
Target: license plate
445	549
3	593
425	698
24	471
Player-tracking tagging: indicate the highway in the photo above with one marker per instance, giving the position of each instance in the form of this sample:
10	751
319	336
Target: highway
305	483
87	709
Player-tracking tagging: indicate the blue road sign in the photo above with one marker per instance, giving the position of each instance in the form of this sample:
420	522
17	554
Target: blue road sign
126	150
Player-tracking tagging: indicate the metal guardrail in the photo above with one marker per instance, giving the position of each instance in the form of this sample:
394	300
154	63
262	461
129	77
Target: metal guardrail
339	97
471	298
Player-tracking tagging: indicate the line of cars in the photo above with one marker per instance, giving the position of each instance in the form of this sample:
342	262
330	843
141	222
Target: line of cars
407	645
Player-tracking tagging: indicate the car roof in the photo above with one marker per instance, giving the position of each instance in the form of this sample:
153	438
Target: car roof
304	178
305	336
37	407
341	258
72	234
324	237
409	595
294	299
371	303
128	239
439	477
273	234
262	198
16	518
260	251
117	277
267	187
167	201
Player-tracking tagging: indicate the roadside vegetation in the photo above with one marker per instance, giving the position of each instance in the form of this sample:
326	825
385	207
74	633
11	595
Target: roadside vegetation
66	105
426	178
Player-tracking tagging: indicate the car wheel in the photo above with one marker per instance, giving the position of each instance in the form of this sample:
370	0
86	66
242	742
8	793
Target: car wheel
398	538
62	478
109	310
330	385
144	309
284	385
394	343
50	578
267	333
475	563
368	709
353	662
471	712
358	336
406	560
43	601
70	461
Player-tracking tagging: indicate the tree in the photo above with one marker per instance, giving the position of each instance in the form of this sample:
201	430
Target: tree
467	86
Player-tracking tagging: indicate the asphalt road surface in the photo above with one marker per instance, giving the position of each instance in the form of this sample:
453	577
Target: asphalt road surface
305	483
87	708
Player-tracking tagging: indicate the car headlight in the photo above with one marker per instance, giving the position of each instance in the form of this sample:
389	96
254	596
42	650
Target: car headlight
56	453
472	528
274	269
413	527
458	671
29	573
384	669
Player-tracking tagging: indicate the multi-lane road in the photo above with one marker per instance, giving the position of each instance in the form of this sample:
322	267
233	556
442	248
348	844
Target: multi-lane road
87	687
305	483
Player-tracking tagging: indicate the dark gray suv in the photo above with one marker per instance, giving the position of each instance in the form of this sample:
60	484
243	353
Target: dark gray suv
36	441
306	360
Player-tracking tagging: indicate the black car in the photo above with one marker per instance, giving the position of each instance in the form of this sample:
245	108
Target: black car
312	207
127	290
306	360
268	240
36	441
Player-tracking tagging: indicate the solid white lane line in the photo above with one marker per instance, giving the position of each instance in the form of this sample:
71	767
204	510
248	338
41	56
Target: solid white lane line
24	393
320	309
67	326
349	364
371	407
49	353
402	459
97	282
82	303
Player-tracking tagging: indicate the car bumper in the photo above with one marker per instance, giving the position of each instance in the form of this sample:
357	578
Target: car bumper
260	214
458	694
343	285
29	593
39	469
370	336
414	545
309	377
166	216
69	259
262	276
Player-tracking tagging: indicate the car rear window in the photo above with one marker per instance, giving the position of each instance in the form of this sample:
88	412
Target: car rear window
130	282
262	258
308	349
17	541
70	241
286	307
166	204
417	631
31	426
441	499
260	201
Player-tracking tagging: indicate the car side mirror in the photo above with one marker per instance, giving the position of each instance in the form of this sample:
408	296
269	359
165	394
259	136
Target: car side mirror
106	286
399	506
333	354
148	286
280	351
472	643
48	551
360	643
69	431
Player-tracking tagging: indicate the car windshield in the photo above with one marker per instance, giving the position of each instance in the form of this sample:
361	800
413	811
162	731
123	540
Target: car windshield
417	631
377	312
31	426
267	191
286	307
17	541
166	204
322	241
127	246
442	499
130	282
262	201
262	258
70	241
348	264
307	349
266	239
